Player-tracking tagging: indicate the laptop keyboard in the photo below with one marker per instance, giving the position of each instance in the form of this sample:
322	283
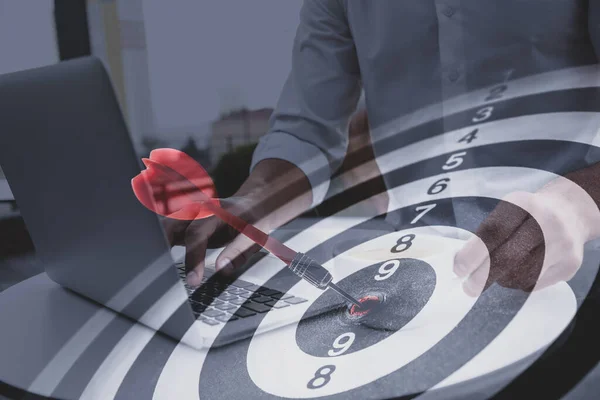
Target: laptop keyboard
219	302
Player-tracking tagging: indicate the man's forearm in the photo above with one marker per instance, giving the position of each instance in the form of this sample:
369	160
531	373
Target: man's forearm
278	191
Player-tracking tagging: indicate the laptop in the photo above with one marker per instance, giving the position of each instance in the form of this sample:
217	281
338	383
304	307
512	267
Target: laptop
69	160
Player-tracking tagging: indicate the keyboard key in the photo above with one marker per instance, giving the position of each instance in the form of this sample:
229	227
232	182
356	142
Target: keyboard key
238	301
209	321
252	288
227	296
269	292
261	299
282	296
226	318
277	304
245	294
198	308
243	313
226	306
259	308
241	284
295	300
212	313
201	292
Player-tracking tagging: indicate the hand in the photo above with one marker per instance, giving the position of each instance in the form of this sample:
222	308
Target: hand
211	232
534	245
274	193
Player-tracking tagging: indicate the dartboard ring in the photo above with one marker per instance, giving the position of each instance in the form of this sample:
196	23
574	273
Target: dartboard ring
239	374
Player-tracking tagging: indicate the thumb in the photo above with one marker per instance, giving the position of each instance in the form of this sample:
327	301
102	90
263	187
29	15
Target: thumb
236	254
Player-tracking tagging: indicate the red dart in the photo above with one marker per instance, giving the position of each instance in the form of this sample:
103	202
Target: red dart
175	181
174	195
175	186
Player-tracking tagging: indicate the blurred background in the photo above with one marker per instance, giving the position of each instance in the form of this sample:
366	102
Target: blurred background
199	76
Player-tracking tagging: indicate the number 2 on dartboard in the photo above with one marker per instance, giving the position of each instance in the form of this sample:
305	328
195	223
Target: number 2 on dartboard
496	92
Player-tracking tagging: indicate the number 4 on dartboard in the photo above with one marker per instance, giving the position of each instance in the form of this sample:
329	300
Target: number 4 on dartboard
469	137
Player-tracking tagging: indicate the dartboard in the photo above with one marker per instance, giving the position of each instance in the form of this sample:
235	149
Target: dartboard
419	334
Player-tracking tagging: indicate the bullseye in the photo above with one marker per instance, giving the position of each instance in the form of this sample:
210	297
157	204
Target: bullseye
368	304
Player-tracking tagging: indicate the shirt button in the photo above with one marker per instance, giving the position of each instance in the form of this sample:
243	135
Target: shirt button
448	11
453	75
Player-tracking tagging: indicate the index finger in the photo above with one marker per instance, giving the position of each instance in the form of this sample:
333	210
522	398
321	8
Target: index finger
196	241
508	216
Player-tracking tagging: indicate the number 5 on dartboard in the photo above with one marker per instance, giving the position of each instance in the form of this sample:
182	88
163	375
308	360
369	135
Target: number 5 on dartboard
454	161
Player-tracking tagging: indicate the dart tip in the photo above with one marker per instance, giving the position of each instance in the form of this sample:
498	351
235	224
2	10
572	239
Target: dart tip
345	295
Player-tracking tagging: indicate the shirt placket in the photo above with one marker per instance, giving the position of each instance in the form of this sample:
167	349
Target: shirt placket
452	64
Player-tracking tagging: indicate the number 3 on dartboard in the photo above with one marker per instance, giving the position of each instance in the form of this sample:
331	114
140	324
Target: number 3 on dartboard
403	243
322	377
483	114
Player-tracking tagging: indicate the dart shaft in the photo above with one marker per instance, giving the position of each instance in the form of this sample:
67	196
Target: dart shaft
259	237
315	274
311	271
302	265
345	294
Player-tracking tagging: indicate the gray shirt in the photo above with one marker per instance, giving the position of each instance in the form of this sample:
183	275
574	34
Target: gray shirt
406	55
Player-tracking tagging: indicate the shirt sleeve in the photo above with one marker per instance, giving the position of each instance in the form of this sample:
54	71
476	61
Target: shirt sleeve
309	126
594	25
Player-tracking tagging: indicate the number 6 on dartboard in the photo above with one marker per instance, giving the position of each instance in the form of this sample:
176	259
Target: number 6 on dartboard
438	186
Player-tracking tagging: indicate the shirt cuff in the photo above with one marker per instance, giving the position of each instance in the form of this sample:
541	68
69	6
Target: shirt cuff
309	158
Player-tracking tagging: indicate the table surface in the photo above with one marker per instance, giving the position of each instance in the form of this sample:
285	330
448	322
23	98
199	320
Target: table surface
57	344
5	192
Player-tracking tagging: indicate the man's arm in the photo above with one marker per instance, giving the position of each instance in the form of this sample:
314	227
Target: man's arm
310	123
306	141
